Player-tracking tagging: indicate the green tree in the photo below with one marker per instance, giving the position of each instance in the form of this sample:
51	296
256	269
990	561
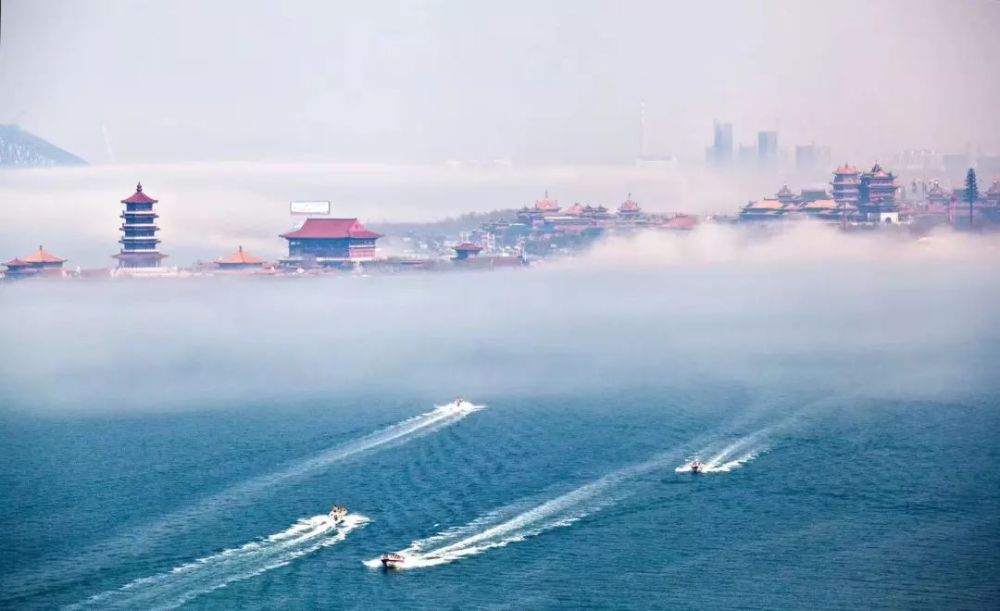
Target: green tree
971	192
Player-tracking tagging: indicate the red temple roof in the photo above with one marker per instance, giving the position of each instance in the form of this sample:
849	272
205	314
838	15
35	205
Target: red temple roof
846	169
546	204
468	247
331	229
240	257
628	205
17	263
878	172
139	197
42	256
681	221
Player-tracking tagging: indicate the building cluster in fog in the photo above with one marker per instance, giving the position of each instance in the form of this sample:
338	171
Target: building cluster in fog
874	198
853	199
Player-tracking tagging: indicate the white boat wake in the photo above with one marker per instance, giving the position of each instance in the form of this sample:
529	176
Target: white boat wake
523	520
243	493
133	542
730	457
183	583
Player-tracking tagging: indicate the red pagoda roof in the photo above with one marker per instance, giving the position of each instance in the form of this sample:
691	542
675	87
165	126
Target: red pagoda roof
846	169
42	256
468	247
330	229
240	257
17	263
546	204
139	197
628	205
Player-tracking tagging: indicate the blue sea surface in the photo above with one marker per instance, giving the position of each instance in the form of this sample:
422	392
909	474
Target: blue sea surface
836	480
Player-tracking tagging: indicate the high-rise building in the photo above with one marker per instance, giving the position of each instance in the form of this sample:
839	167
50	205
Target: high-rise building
721	153
767	147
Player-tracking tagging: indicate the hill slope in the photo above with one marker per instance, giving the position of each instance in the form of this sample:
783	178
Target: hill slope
21	149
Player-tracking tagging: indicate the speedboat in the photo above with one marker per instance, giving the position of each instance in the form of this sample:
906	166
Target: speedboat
392	561
338	513
459	401
696	466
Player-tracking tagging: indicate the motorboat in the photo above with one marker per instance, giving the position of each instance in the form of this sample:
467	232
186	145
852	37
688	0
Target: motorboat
338	513
392	561
696	466
459	401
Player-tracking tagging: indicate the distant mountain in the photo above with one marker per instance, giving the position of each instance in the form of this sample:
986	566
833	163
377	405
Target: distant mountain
21	149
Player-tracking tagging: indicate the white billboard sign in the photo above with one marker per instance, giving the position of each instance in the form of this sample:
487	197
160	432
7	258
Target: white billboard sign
310	207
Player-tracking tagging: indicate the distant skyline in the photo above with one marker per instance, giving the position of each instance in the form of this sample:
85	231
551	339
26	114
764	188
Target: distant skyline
536	83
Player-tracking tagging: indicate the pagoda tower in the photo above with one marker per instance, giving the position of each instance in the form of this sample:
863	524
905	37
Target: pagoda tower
139	232
846	185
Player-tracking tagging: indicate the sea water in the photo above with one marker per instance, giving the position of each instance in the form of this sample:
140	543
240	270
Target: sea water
168	446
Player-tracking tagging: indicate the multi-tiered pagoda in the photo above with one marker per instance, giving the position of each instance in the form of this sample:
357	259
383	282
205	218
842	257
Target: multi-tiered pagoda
139	232
846	185
878	196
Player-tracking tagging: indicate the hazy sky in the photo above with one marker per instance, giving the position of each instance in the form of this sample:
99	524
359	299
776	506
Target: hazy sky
549	82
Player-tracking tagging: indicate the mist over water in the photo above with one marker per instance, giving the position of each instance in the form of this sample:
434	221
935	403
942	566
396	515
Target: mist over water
162	435
639	311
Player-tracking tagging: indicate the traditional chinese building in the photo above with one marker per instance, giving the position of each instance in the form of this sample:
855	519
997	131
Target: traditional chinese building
785	195
239	260
39	263
330	242
846	185
765	210
993	195
139	243
878	196
629	210
465	250
937	198
537	213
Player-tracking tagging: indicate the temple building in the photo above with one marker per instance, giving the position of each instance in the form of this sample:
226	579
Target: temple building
465	250
877	200
937	198
39	263
139	229
785	195
846	185
543	208
765	210
993	195
329	242
239	260
629	210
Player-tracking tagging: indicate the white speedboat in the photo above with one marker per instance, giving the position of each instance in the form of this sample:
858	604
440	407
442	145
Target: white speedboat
392	561
338	513
696	466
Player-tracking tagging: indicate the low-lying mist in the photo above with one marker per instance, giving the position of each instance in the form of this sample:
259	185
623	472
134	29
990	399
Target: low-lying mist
811	308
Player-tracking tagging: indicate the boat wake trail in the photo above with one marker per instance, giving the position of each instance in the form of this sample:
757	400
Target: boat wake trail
730	457
134	542
188	581
523	520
